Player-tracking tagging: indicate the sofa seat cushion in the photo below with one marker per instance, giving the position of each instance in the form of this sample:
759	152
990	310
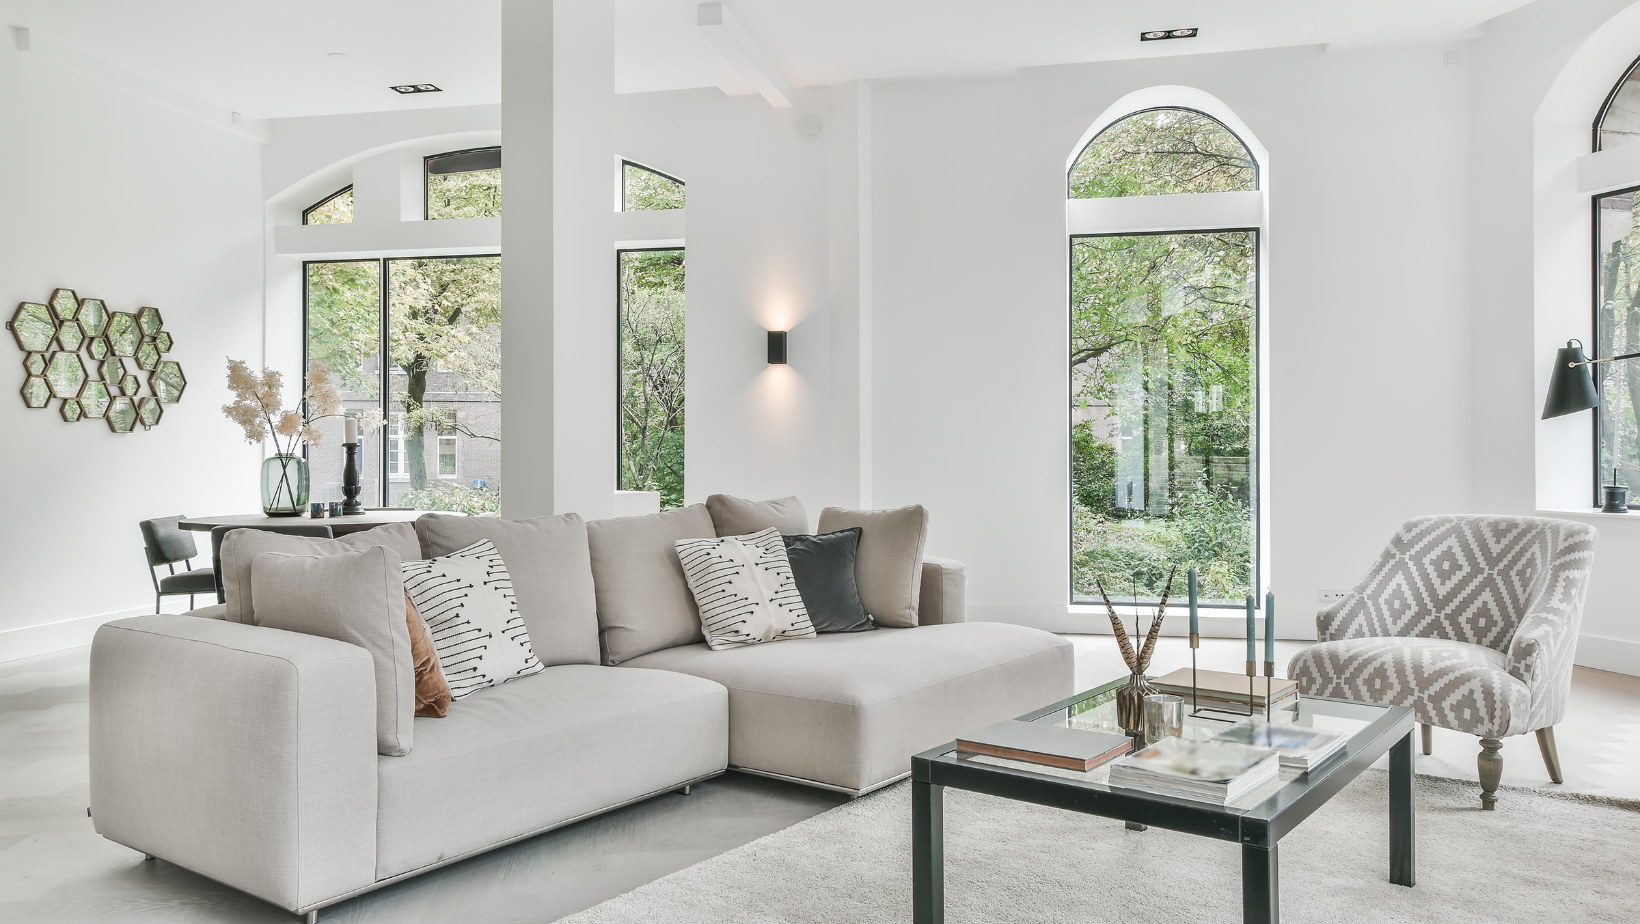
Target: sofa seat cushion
848	710
540	750
1455	685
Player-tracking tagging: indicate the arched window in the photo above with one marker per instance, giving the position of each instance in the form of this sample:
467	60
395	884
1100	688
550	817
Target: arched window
334	209
1163	152
464	184
1164	364
643	189
1616	321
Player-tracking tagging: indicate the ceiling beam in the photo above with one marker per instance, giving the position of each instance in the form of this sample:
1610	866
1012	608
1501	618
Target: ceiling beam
731	38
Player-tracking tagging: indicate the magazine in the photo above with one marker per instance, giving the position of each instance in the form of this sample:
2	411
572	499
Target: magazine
1301	747
1208	771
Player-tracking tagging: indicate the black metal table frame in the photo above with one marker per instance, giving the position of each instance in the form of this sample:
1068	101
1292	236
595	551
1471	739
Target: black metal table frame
1258	829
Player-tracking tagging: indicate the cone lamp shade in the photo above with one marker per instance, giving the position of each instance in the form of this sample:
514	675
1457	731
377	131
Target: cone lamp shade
1571	385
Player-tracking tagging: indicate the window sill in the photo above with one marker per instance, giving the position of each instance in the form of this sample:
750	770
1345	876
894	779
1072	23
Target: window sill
1592	512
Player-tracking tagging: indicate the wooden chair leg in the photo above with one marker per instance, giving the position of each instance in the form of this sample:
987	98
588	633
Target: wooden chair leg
1490	765
1429	742
1551	758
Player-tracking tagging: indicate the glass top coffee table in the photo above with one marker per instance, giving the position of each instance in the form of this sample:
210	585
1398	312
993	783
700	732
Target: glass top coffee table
1257	825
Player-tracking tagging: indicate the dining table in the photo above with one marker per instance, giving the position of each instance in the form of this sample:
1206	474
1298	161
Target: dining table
339	526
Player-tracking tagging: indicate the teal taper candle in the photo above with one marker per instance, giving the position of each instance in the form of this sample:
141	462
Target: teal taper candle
1195	628
1252	634
1270	626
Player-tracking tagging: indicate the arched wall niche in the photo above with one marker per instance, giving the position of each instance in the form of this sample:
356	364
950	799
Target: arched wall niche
1566	174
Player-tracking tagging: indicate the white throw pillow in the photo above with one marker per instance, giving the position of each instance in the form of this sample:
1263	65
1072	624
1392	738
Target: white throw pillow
744	588
466	599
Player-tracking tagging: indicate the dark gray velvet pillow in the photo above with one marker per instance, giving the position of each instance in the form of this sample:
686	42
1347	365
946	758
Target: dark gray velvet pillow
823	567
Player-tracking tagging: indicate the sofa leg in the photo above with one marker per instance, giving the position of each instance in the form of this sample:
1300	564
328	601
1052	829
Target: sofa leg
312	917
1490	765
149	858
1551	757
687	789
1429	738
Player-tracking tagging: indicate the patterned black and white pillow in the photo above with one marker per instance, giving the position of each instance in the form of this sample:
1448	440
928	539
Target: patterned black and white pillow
466	599
744	588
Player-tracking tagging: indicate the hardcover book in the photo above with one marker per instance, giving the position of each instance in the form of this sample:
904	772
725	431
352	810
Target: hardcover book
1222	685
1043	743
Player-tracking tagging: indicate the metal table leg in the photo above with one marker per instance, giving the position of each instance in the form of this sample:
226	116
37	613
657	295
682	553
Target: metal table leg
1260	891
1403	833
927	853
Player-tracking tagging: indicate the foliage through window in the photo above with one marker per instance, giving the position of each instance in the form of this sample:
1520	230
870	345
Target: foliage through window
1618	123
439	320
1163	152
464	184
643	189
335	209
1617	331
1163	366
652	373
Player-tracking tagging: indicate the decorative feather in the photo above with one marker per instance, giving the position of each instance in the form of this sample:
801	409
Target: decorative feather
1156	625
1121	631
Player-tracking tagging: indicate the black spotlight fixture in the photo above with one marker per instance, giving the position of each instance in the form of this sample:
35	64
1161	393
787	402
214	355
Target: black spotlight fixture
777	347
406	88
1158	35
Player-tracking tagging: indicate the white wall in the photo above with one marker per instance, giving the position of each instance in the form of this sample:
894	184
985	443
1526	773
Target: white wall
1366	308
138	204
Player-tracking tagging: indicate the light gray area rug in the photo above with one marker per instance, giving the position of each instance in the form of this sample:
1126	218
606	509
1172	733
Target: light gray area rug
1537	858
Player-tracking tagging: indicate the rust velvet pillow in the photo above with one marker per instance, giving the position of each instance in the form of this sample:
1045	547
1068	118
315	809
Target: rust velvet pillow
432	693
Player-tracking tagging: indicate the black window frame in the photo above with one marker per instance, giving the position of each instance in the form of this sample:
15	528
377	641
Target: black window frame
427	174
1596	347
321	204
620	342
625	163
1258	169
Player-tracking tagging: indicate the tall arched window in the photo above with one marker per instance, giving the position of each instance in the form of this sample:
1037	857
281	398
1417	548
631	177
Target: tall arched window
1616	321
1164	359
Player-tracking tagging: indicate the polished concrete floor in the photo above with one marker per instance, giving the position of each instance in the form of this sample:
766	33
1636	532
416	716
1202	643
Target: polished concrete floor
53	866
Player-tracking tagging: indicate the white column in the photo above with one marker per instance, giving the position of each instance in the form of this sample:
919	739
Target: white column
527	460
850	284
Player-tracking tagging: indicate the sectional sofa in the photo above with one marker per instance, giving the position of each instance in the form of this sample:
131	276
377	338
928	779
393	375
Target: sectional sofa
248	754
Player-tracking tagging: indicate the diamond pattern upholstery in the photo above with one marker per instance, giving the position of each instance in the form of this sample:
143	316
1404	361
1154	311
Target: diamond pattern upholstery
1469	620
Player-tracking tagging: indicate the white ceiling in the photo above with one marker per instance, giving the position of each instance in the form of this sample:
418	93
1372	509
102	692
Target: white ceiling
271	58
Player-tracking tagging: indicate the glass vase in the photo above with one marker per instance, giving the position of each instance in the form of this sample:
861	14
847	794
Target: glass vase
284	485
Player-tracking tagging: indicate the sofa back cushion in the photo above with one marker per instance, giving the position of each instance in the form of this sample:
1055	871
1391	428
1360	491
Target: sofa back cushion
644	602
551	575
240	546
888	565
355	597
735	516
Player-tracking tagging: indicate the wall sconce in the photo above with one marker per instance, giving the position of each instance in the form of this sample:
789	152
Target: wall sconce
777	347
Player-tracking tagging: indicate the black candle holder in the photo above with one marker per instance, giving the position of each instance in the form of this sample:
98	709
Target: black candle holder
350	482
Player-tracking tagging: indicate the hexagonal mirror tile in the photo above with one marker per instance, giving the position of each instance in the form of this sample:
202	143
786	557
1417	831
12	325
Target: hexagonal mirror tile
93	316
33	326
147	354
71	410
123	334
35	363
148	411
69	336
163	341
122	415
168	382
113	372
150	321
65	374
130	385
35	391
94	399
65	303
98	348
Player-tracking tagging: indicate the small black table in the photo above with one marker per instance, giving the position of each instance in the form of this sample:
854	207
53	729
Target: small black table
1373	731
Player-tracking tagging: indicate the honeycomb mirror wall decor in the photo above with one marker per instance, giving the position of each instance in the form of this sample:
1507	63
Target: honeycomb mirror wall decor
72	356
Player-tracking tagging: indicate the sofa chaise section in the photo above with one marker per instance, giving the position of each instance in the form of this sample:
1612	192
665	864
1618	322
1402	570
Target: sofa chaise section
847	711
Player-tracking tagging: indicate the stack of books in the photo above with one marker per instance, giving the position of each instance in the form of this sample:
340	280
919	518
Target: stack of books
1207	771
1301	748
1045	743
1221	690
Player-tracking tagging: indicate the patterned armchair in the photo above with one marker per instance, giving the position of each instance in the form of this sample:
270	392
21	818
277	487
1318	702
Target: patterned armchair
1469	620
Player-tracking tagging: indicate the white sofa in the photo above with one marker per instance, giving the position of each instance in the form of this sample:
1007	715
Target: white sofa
248	754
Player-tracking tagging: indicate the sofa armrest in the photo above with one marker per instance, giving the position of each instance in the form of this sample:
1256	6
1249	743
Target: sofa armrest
243	753
214	611
944	592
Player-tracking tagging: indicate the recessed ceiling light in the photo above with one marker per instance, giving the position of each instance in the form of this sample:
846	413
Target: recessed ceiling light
1160	34
416	88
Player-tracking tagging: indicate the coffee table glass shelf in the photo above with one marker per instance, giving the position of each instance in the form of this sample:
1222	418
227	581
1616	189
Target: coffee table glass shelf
1257	822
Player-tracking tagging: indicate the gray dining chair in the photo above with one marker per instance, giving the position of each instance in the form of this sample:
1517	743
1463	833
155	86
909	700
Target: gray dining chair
314	530
169	545
1470	621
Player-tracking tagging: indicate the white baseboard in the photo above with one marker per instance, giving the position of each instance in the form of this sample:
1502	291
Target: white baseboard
1608	654
57	636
